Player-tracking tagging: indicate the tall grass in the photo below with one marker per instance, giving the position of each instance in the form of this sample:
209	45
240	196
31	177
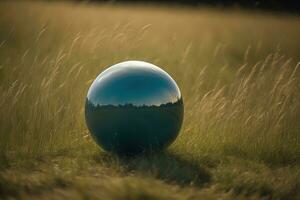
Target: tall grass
254	116
238	72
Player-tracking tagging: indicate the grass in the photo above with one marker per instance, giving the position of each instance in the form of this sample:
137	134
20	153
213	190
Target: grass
238	72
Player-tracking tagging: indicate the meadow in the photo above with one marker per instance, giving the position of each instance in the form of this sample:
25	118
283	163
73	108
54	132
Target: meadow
238	71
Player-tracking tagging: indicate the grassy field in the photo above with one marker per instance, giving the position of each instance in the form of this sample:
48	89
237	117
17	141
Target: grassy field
239	73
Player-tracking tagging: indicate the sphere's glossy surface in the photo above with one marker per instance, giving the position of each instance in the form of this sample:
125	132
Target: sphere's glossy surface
134	107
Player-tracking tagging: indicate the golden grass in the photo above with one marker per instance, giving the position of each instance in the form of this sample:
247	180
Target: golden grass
238	72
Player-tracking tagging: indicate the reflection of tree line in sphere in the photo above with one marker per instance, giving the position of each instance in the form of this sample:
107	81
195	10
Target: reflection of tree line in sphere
139	126
131	105
103	112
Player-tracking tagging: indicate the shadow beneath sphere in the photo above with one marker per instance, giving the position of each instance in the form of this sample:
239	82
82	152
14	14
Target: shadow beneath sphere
164	166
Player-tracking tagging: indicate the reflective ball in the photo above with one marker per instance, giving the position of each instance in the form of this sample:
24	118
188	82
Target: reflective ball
134	107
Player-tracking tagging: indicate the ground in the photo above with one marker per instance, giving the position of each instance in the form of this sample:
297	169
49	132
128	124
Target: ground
238	72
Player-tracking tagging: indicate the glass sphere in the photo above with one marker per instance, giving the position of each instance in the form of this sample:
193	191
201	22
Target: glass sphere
134	107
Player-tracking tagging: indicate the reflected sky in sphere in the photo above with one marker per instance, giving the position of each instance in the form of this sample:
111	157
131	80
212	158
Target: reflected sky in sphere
133	82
